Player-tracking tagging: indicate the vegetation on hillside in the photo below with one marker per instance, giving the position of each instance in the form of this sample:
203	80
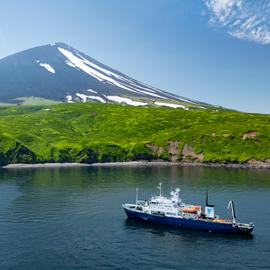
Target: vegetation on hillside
106	132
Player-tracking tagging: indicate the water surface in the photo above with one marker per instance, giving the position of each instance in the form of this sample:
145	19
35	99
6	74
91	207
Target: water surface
71	218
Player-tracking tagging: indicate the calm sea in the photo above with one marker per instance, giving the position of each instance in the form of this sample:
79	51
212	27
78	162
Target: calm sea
71	218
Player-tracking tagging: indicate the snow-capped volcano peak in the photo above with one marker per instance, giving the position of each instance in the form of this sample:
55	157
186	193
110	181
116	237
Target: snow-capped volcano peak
60	72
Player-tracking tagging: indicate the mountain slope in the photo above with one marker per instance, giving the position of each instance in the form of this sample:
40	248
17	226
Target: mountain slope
62	73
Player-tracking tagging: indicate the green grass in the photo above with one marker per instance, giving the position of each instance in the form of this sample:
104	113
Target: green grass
92	132
36	101
2	104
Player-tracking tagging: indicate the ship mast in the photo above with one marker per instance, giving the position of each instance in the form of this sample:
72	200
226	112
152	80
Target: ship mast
209	209
160	189
206	198
137	193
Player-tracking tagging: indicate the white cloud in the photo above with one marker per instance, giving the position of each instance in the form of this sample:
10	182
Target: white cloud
244	19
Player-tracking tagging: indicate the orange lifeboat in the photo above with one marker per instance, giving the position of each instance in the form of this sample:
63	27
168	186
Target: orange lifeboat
192	209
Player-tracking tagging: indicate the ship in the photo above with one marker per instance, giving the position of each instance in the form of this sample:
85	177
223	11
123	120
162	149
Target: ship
172	211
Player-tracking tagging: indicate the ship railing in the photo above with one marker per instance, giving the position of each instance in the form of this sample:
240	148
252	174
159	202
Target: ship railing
245	225
158	213
141	202
139	207
171	214
129	205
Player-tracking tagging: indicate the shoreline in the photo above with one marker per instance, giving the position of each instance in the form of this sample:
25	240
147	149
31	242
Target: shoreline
259	165
44	165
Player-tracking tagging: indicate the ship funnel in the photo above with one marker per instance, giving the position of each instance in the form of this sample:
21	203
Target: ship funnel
209	209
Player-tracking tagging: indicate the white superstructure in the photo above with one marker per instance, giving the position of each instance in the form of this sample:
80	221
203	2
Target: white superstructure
167	206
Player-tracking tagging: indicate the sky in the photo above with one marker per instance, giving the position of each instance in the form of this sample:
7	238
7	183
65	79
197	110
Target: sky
215	51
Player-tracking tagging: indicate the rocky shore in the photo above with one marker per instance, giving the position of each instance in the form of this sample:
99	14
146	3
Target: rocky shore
254	164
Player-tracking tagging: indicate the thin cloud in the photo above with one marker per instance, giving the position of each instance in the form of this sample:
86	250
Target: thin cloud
244	19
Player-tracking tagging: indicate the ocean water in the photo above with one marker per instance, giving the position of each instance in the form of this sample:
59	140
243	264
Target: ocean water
71	218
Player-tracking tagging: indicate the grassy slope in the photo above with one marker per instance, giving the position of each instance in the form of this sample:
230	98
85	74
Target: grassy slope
36	101
30	101
97	132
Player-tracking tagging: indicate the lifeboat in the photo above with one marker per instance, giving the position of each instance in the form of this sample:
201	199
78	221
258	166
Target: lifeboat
192	209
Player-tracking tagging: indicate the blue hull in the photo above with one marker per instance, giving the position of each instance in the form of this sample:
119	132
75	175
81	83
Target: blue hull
187	223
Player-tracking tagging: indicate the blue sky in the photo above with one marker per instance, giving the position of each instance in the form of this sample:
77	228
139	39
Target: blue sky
216	51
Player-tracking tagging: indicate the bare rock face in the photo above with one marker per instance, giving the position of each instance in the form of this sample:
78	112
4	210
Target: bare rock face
173	149
249	135
174	153
188	154
157	150
259	163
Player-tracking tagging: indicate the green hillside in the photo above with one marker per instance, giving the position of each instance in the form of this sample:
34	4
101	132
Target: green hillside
103	133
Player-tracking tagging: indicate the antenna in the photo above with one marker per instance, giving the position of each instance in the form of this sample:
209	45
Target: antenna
137	193
160	189
206	198
177	191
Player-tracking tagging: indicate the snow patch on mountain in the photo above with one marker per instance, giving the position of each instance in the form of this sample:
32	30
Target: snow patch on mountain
152	94
97	98
84	97
108	72
69	99
70	64
170	105
47	67
82	64
75	59
126	100
92	91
